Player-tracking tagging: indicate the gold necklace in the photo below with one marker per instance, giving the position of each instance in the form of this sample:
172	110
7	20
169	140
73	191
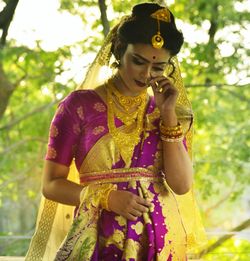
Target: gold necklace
121	114
128	136
128	102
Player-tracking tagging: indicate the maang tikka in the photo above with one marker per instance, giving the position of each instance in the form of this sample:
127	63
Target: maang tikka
161	15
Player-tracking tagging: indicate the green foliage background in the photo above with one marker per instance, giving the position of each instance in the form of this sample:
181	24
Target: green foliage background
221	144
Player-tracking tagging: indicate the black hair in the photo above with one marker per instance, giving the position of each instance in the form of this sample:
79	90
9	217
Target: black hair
140	27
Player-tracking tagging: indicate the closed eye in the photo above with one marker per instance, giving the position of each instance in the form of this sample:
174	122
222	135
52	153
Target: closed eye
158	69
138	62
154	68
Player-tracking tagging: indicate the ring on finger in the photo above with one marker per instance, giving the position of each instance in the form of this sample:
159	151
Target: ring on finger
159	89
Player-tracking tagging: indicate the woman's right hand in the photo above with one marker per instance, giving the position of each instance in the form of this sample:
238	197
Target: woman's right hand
127	204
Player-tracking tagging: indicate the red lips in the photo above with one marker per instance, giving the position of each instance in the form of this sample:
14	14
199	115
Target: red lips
140	84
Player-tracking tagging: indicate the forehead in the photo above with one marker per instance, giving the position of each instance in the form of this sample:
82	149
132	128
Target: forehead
149	52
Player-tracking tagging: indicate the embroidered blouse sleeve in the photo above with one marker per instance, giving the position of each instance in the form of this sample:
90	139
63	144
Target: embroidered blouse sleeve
65	130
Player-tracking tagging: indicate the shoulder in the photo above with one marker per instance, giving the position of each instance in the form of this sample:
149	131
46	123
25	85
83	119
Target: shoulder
80	98
80	102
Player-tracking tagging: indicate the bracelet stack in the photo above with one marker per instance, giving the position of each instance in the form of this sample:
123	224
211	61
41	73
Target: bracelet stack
171	134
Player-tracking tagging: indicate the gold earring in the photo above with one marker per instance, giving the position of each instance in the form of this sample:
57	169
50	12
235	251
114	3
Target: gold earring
116	64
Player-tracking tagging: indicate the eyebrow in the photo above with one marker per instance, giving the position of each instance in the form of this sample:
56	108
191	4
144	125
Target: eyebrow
145	60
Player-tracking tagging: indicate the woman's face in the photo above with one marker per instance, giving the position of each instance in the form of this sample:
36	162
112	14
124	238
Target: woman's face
139	64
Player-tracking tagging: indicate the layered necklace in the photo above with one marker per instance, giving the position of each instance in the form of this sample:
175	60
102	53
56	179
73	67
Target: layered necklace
130	110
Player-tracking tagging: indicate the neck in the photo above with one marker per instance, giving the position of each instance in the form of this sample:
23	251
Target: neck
122	87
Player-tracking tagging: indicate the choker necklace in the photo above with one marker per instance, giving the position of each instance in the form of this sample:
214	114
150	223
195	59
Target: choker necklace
127	102
127	136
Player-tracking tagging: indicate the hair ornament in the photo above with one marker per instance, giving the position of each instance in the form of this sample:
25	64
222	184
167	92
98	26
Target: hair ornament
162	14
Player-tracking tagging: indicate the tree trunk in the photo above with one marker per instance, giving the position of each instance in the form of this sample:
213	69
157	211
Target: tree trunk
6	87
6	90
6	16
105	22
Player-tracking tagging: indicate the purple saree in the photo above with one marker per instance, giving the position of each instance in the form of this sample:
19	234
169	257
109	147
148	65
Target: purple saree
79	131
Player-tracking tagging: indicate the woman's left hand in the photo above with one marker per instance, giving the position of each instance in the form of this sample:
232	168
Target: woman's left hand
165	94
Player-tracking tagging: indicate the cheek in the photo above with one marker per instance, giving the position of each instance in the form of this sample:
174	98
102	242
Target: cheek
130	68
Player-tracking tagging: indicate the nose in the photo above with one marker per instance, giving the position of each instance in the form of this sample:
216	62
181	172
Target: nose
146	72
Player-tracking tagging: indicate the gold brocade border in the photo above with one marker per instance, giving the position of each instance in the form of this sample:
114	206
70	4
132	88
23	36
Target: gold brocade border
118	175
120	170
119	179
103	154
40	238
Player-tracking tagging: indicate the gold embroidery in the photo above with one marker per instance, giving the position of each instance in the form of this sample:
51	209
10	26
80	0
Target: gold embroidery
76	129
123	179
121	220
51	153
98	106
117	239
138	227
84	171
37	249
132	183
103	158
150	118
119	175
53	131
98	130
132	250
79	111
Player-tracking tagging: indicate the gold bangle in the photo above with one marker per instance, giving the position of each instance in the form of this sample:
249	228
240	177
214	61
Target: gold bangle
166	139
172	136
105	197
171	131
97	195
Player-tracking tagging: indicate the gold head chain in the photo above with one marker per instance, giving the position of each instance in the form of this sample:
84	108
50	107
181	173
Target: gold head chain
161	15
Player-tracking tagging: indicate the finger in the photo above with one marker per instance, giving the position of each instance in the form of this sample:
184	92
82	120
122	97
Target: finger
162	86
159	80
141	208
164	81
130	217
135	213
143	201
158	88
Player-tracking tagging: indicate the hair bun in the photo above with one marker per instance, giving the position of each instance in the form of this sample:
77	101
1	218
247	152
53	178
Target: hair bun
145	10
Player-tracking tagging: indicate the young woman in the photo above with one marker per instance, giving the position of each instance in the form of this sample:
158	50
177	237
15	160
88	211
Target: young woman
130	150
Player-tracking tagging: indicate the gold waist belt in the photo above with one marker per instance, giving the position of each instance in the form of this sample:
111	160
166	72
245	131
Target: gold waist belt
118	175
